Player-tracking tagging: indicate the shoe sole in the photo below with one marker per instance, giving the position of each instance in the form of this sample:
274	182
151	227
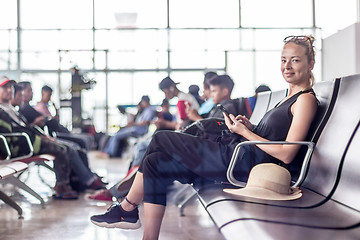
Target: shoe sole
126	183
122	225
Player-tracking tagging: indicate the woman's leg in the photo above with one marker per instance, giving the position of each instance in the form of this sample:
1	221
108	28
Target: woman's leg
124	215
136	193
170	156
154	214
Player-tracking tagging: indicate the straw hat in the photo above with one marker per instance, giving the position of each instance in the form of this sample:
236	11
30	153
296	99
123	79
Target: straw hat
268	181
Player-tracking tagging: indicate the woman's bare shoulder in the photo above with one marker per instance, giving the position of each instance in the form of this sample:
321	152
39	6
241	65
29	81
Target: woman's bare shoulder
307	98
305	103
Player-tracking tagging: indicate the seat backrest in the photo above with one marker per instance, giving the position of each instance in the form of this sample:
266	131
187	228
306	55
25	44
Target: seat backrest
242	106
334	138
261	106
347	190
276	97
326	93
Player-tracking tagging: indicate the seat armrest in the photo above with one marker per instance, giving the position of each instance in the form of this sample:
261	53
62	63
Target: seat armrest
28	141
3	139
234	158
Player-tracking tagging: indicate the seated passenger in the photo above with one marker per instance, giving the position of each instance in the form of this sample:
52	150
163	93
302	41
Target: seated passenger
134	129
169	88
52	122
194	90
220	92
42	106
190	159
165	111
208	104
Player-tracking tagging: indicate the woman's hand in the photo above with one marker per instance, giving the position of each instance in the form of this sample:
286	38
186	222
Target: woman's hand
244	121
234	125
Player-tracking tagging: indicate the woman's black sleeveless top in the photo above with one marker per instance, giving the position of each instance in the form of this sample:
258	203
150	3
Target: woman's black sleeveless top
275	124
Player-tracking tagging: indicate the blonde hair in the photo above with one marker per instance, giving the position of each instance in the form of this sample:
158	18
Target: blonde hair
307	42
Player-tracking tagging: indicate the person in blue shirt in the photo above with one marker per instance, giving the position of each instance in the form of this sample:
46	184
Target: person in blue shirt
209	103
134	129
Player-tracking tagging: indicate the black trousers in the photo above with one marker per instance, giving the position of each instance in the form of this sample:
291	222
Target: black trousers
186	158
182	157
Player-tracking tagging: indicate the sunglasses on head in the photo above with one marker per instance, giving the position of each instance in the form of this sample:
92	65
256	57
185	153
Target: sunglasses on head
301	38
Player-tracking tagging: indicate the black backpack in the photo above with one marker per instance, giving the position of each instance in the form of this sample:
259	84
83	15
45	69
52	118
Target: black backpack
209	128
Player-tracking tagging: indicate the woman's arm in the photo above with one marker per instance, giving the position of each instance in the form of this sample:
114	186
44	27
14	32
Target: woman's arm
303	111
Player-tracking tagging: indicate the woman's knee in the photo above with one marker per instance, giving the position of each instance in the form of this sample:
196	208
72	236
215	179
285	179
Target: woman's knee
150	163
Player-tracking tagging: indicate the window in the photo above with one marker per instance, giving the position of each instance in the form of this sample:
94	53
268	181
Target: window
8	16
130	14
279	13
131	40
204	14
55	14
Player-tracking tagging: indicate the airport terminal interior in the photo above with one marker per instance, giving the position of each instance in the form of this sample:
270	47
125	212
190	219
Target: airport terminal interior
95	68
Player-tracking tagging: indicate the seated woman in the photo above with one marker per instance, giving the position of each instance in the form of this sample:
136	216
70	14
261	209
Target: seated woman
189	159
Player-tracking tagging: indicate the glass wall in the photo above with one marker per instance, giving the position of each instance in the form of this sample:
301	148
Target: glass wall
129	46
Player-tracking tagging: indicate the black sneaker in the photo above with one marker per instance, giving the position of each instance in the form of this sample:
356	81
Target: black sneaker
116	217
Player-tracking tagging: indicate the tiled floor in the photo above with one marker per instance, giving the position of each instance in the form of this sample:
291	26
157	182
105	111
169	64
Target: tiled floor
70	219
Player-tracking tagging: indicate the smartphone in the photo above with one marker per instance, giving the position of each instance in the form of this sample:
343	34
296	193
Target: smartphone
222	108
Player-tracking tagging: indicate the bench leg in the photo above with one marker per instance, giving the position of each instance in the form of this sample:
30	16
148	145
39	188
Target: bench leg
42	163
182	193
16	182
11	203
183	198
184	203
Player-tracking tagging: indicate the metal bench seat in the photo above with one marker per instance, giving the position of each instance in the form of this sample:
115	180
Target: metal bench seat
336	216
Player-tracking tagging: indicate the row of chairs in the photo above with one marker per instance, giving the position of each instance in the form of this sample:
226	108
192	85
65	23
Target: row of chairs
329	207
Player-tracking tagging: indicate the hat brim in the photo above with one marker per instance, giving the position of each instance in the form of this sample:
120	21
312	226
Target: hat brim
261	193
7	81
